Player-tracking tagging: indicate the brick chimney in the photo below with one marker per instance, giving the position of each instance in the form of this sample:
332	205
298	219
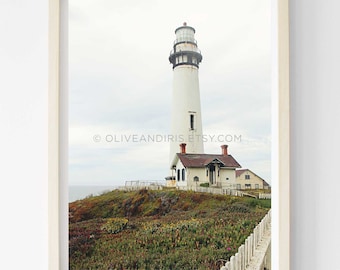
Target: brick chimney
182	145
224	150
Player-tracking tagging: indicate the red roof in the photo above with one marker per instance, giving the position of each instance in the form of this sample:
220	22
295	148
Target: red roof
239	172
202	160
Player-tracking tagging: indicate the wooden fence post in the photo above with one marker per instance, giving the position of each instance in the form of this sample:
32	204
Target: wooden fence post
240	251
232	263
246	260
237	257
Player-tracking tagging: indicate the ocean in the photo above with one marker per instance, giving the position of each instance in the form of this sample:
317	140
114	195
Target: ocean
81	192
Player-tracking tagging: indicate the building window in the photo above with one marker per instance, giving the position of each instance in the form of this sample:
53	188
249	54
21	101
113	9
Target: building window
257	186
192	121
183	174
178	174
248	186
227	178
196	179
247	176
238	186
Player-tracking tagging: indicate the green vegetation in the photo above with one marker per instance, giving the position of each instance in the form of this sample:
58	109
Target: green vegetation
204	185
159	229
256	192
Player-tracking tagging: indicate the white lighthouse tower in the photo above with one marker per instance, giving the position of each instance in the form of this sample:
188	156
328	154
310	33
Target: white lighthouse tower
186	122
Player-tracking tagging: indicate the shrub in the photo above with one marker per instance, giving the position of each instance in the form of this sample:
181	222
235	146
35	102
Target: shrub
204	185
114	225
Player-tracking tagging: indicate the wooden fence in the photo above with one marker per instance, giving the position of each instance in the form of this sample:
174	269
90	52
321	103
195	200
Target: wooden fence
221	191
265	196
142	184
241	260
157	185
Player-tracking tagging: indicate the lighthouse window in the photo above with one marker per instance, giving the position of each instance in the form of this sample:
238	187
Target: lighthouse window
192	121
189	59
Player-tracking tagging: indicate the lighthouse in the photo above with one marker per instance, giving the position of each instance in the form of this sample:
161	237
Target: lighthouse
186	120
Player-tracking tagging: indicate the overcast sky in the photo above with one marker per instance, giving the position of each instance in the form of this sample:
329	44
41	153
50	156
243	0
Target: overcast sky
121	84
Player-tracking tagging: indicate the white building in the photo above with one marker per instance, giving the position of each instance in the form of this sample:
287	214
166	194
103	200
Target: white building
190	166
246	179
189	169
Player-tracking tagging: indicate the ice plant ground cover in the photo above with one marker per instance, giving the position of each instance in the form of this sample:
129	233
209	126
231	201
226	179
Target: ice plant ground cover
166	229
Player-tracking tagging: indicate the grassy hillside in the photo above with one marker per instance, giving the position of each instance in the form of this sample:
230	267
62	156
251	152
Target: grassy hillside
159	229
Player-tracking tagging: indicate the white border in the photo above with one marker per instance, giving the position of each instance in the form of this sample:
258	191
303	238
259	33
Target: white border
58	135
53	136
283	137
